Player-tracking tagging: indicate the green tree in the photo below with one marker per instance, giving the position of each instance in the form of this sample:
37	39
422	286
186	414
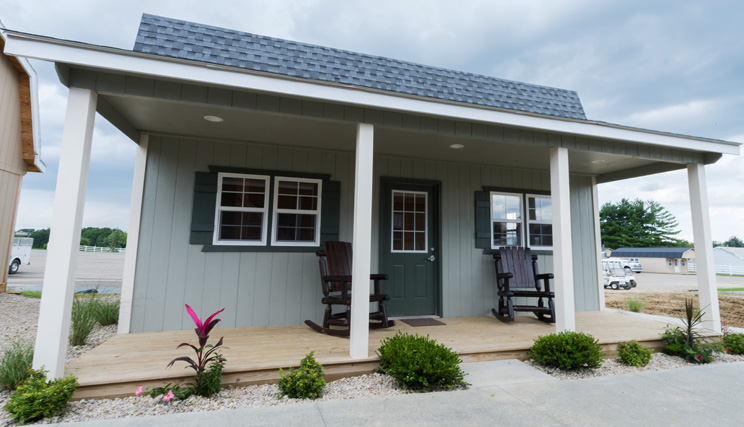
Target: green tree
636	223
116	239
732	242
95	235
41	238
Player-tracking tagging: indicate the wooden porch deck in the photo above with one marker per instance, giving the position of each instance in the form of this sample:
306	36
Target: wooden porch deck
254	355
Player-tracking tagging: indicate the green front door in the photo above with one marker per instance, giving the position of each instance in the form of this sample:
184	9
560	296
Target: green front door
409	247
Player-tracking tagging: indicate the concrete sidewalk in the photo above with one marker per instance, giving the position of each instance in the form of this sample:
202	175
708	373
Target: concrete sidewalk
512	393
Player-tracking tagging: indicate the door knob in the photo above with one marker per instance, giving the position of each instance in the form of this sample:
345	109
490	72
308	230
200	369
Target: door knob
432	258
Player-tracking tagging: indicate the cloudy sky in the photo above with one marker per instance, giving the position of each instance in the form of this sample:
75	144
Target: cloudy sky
675	66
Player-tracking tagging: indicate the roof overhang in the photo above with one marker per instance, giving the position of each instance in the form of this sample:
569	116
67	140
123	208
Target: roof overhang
125	61
29	99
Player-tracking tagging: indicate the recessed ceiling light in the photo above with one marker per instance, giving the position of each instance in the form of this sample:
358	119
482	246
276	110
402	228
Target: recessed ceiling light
597	161
214	119
456	146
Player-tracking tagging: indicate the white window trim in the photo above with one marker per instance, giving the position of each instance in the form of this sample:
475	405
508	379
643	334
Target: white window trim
426	219
219	209
277	211
527	217
514	221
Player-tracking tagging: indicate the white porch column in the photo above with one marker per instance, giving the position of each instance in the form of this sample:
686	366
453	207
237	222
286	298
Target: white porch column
130	258
64	240
362	245
598	241
562	253
704	262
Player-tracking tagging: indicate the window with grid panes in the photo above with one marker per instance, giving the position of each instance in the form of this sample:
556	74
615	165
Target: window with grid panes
242	207
296	217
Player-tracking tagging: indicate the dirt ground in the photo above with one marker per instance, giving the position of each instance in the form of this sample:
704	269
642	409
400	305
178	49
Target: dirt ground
672	304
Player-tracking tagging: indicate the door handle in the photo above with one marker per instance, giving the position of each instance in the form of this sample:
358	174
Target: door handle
431	258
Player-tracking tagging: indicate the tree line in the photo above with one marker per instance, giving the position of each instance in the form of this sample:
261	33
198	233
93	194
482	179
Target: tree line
90	236
644	224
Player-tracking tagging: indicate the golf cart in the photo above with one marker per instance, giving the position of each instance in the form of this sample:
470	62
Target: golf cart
615	276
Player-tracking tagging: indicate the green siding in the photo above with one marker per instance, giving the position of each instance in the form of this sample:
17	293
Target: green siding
261	289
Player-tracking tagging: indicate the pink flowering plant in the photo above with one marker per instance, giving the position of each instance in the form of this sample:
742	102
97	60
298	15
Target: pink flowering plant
207	365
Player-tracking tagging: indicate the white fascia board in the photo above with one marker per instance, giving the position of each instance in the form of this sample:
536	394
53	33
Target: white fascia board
119	60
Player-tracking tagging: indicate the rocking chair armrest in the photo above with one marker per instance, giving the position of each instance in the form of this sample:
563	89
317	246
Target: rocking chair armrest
378	276
337	278
505	276
545	277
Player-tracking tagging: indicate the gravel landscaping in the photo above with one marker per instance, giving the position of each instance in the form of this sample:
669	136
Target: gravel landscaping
19	319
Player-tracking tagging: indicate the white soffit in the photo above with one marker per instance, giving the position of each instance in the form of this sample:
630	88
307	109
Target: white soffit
120	60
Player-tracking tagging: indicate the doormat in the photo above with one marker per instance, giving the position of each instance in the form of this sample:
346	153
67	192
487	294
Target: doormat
423	322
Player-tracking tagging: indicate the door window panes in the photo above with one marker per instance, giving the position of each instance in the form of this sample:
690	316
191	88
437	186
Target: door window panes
409	219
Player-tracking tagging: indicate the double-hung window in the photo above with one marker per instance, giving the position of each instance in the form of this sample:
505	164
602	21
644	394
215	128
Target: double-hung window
249	205
242	209
296	212
539	222
511	227
506	219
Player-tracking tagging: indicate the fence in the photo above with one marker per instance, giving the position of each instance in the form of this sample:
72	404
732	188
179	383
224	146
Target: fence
101	249
723	269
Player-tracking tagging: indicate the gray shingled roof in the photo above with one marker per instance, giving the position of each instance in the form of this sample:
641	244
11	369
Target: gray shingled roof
649	252
187	40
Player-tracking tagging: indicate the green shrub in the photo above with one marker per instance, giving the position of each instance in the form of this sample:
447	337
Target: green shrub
211	380
307	383
685	342
636	305
14	366
734	343
567	351
37	398
83	320
420	363
694	351
106	311
634	354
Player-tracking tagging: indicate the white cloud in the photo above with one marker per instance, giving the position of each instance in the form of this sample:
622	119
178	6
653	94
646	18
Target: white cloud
35	211
664	65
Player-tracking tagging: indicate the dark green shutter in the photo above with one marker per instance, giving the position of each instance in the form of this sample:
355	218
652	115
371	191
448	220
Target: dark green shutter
330	211
482	220
202	215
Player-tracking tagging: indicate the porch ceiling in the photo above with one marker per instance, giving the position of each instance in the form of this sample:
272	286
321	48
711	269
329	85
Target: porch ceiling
187	119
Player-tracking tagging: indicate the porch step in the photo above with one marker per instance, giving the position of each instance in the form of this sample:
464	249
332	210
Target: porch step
333	370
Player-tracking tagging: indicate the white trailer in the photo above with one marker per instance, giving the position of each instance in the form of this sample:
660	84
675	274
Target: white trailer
20	253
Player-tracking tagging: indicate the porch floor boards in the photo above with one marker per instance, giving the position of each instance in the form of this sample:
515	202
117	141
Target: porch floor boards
254	355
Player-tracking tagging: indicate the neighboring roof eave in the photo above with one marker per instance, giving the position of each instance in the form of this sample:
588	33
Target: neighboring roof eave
673	252
30	132
121	60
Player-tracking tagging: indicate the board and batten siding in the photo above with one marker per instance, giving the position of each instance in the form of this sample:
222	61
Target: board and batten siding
12	166
266	289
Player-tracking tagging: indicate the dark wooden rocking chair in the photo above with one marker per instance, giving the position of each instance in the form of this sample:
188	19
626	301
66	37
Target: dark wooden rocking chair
517	276
335	279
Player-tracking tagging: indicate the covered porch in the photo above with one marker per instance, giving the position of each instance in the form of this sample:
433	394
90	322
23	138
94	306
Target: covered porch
192	121
255	355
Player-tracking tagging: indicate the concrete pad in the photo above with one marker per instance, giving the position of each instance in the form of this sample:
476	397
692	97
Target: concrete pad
630	399
502	372
300	414
464	407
